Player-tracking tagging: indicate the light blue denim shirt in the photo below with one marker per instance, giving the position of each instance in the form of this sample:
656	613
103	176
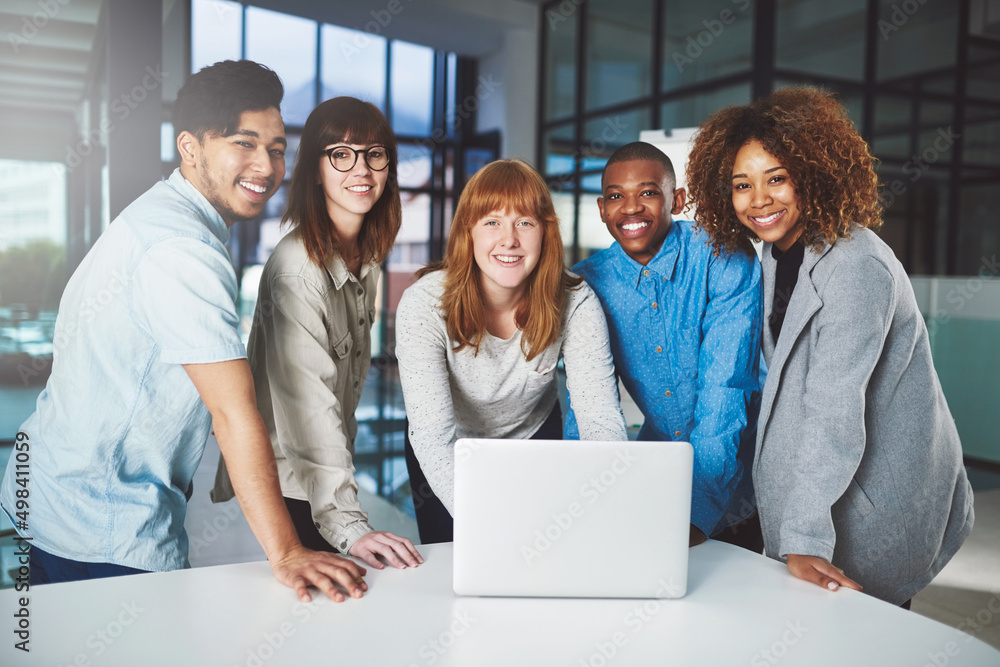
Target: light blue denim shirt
119	429
685	336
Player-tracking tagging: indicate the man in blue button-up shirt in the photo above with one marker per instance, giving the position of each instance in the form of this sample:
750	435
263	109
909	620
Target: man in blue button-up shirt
148	358
685	331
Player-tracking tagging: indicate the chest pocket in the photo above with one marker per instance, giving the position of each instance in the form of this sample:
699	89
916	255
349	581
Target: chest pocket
342	346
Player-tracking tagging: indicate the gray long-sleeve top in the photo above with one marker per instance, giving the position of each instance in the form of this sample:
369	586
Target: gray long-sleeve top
496	393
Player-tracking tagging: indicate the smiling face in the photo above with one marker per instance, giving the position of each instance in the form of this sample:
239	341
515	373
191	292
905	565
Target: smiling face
638	200
237	174
350	194
764	196
506	247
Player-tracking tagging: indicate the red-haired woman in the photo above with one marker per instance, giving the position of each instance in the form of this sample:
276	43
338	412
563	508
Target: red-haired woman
310	345
479	335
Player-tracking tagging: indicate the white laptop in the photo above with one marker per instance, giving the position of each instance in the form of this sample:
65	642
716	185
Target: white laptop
572	518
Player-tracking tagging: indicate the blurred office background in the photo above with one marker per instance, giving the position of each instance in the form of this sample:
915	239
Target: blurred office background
88	85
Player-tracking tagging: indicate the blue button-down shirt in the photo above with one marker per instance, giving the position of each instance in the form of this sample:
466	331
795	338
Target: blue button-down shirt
119	429
685	335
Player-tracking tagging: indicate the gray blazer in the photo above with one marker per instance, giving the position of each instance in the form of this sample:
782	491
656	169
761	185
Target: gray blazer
858	460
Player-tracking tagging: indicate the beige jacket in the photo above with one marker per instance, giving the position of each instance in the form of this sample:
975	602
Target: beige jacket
309	350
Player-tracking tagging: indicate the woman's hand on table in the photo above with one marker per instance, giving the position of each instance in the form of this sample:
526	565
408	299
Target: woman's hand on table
303	567
397	551
820	571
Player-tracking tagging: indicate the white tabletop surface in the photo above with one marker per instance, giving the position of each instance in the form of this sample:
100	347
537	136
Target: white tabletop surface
741	609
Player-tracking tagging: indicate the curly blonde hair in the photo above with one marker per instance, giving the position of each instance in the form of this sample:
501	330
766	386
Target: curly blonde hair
810	134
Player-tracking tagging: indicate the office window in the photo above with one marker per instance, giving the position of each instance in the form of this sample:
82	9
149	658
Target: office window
560	63
619	51
32	278
412	68
824	38
286	44
354	63
216	32
705	40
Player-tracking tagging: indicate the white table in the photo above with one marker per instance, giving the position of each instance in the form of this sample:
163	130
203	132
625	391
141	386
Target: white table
741	609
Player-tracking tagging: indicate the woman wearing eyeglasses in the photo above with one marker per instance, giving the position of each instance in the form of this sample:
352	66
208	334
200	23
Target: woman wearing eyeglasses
310	345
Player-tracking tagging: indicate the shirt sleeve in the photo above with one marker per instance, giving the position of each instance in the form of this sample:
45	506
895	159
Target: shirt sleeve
184	297
853	324
727	383
590	371
421	349
302	369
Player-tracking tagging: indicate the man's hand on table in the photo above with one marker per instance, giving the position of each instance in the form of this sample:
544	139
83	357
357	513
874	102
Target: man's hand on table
820	571
397	551
303	567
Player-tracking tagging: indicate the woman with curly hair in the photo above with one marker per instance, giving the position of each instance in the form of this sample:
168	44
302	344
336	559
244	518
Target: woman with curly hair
479	335
858	469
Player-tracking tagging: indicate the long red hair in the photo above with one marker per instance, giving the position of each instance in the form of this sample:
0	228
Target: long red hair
504	185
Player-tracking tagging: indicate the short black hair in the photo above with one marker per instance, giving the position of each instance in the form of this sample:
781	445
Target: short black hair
640	150
212	100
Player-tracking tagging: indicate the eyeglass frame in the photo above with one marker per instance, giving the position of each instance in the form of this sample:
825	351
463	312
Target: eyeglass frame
329	156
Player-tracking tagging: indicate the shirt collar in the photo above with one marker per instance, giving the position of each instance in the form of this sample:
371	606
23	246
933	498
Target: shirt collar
663	263
338	270
216	225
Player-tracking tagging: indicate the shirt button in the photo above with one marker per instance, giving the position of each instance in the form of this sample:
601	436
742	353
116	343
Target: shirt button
361	321
355	384
645	272
667	393
357	353
360	291
659	349
677	434
655	304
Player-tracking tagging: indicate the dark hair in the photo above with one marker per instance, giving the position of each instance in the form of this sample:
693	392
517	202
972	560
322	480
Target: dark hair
212	100
342	120
640	150
811	135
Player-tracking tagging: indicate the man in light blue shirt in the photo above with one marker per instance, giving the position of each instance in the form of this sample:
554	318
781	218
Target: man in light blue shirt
148	358
685	331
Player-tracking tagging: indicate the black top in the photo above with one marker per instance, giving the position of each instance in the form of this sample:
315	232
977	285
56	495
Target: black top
786	276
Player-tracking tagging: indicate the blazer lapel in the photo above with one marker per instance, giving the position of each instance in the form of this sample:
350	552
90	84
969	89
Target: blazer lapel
804	303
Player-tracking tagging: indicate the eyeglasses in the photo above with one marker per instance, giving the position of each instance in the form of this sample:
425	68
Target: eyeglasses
343	158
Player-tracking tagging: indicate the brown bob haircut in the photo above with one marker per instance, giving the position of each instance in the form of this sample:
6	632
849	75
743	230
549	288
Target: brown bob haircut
342	120
504	186
811	136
